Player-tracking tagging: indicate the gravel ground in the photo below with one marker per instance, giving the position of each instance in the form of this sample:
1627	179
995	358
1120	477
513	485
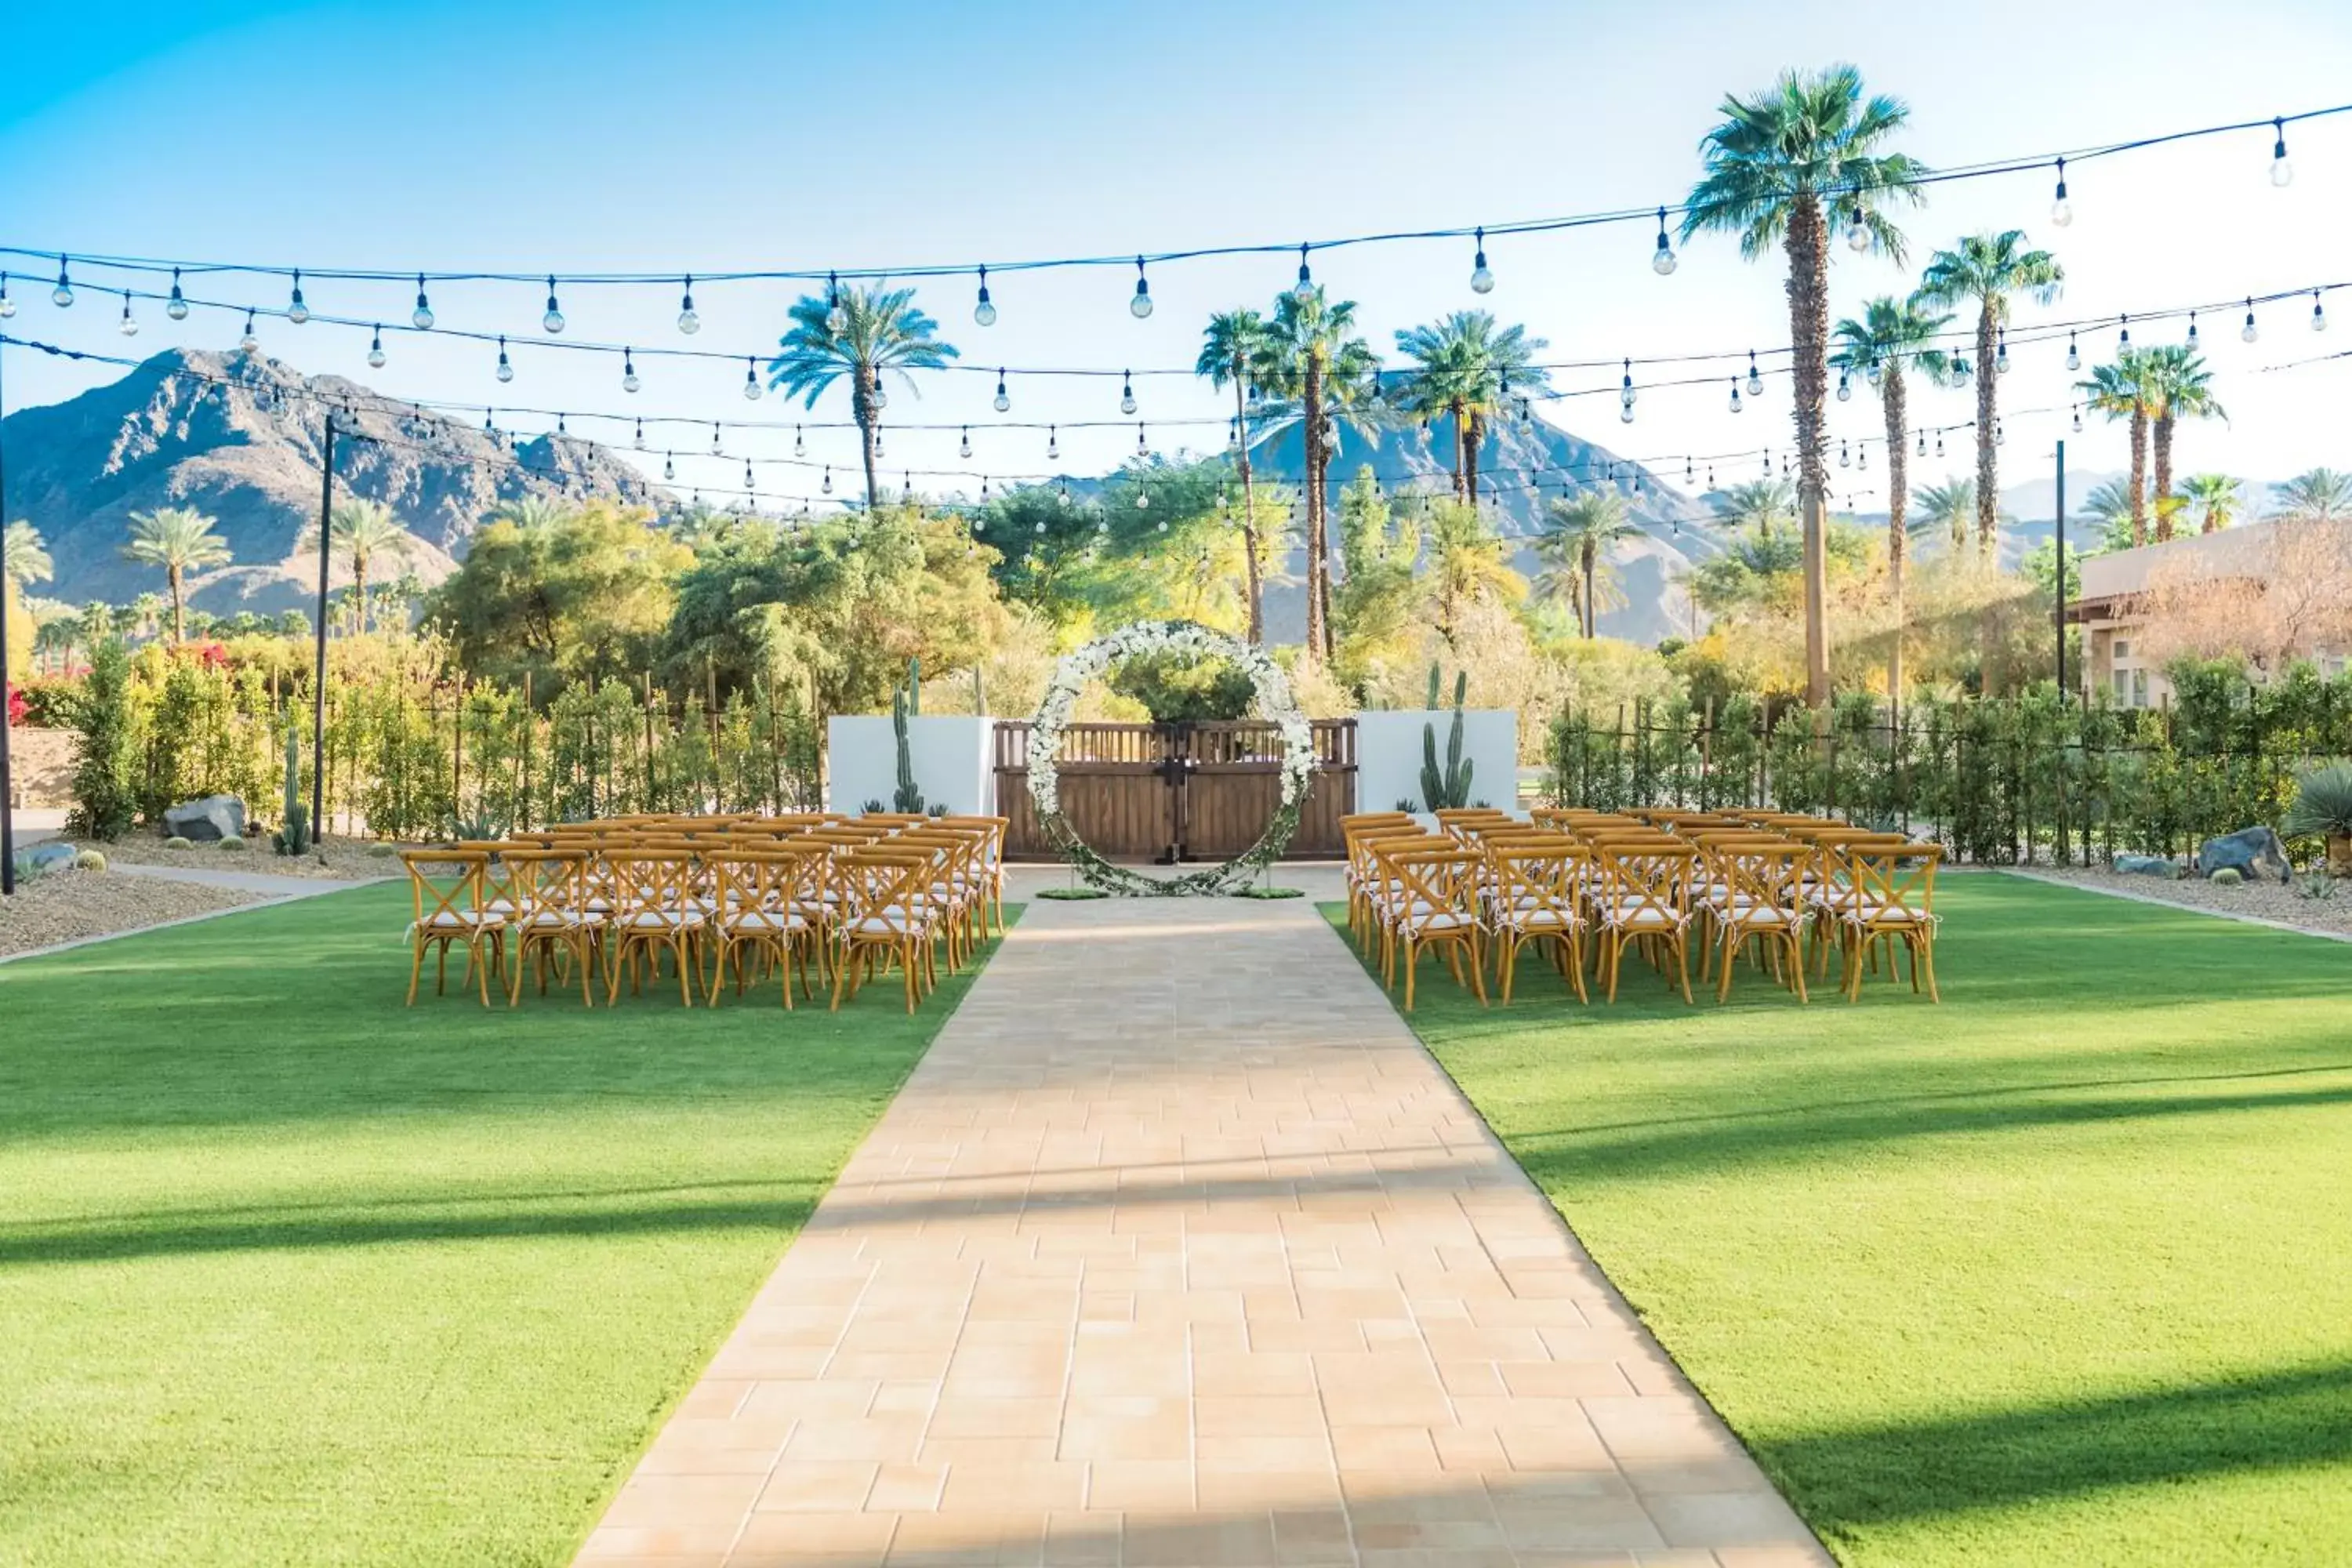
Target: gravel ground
65	906
2264	900
346	859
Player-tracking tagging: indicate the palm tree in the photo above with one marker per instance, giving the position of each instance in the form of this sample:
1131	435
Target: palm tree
1467	371
147	613
2109	505
180	540
28	558
2125	390
1578	531
1232	342
2216	496
364	529
1757	504
1771	165
529	513
1948	508
1312	355
2323	495
1988	268
881	332
2181	385
56	625
1466	562
1889	333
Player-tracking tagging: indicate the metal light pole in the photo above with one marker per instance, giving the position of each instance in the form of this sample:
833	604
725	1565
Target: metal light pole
319	683
7	797
2062	572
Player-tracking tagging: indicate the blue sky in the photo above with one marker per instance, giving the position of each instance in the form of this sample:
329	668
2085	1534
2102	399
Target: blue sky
599	136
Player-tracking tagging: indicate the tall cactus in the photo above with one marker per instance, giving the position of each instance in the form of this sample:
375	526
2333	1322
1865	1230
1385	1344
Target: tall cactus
907	703
294	836
1448	788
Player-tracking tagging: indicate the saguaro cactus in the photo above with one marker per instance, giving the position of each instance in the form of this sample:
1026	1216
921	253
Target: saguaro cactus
907	703
293	837
1449	788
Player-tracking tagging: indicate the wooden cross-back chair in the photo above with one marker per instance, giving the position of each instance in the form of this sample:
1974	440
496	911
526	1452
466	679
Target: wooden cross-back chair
1756	894
762	896
990	865
1369	882
882	915
1429	898
654	914
1642	896
1895	901
447	907
553	925
1535	887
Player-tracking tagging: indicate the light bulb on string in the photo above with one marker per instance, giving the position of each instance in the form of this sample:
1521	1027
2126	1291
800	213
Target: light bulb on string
1871	372
250	342
1857	230
836	318
963	448
688	322
984	313
1233	435
1063	492
562	427
506	366
714	440
2001	355
177	307
800	445
878	452
2318	313
748	480
62	295
1999	434
1624	389
296	310
669	466
2192	329
1754	376
7	306
2282	171
1710	476
421	318
130	324
2074	355
1127	392
640	442
2122	337
1482	277
1140	307
1053	442
983	492
825	486
1141	451
2078	419
1923	443
1845	387
553	320
1690	471
1960	372
1625	414
907	481
375	348
1662	259
751	379
1143	503
2061	211
2249	333
1003	401
1304	289
1861	456
1846	456
1940	443
1735	394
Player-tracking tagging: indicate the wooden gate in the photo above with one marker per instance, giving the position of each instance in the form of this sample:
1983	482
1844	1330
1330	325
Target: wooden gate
1177	791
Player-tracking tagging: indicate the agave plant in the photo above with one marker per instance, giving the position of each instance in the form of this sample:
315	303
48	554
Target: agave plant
2323	809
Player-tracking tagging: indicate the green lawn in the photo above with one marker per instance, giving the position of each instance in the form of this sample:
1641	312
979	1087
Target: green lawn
2058	1272
289	1274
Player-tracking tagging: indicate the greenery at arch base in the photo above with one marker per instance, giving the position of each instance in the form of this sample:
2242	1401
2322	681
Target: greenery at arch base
1160	639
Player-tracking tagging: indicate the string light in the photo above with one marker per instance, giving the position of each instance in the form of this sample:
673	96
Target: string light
1857	232
178	307
1754	376
688	322
1999	434
2123	339
669	468
251	341
7	306
963	448
983	492
1923	443
1140	307
553	320
1735	394
878	443
714	440
1482	277
1846	456
2061	211
421	318
827	485
1304	289
2318	313
2078	419
748	480
375	348
2282	171
62	295
800	445
1662	259
2074	355
1053	443
640	442
1871	373
984	313
130	326
1233	435
1861	456
1004	400
1140	449
506	366
629	381
1127	392
2249	333
297	311
836	319
751	379
1845	387
2001	355
1940	443
1625	389
1960	372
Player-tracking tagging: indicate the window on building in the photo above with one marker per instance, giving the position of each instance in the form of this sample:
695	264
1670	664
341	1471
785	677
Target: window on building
2123	687
2123	647
2139	688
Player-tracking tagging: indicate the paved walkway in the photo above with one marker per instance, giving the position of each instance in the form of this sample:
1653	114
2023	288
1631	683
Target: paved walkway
1178	1250
268	883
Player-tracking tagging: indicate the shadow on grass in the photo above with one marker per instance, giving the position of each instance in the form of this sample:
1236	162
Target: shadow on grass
1899	1471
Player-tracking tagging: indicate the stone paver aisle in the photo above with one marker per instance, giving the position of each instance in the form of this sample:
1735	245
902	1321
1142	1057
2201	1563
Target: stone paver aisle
1179	1249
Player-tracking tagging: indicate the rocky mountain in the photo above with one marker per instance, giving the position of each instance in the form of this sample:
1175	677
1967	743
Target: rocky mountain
238	437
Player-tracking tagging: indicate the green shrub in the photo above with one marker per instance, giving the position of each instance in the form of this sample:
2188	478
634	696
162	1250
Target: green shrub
2227	877
89	860
105	784
176	842
1180	688
232	842
380	851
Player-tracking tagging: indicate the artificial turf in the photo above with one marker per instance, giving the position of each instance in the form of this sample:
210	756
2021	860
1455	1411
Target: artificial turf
2059	1271
292	1274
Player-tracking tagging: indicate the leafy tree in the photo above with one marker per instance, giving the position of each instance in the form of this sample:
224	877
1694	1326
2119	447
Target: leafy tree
2182	387
1889	334
1468	563
1232	342
2321	495
582	597
2130	390
525	511
1772	165
1466	370
2218	498
1040	547
1312	354
1175	688
364	530
28	558
1988	268
1167	546
180	540
105	784
1579	533
865	332
1376	602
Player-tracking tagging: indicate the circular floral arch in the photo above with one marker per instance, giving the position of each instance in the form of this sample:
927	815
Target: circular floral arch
1187	639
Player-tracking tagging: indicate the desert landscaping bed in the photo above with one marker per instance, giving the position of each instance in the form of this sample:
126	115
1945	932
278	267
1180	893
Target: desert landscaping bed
2330	916
336	859
70	905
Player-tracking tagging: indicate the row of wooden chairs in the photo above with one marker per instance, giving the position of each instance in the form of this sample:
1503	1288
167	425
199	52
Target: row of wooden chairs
1782	891
711	896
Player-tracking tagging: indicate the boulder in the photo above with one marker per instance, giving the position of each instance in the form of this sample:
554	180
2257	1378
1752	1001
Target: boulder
205	821
2146	866
2254	853
49	855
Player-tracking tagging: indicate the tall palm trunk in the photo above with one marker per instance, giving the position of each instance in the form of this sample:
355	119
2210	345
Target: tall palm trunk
1249	507
1809	324
1898	499
1313	404
862	402
2139	477
179	610
359	588
2163	485
1988	475
1465	461
1474	435
1586	553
